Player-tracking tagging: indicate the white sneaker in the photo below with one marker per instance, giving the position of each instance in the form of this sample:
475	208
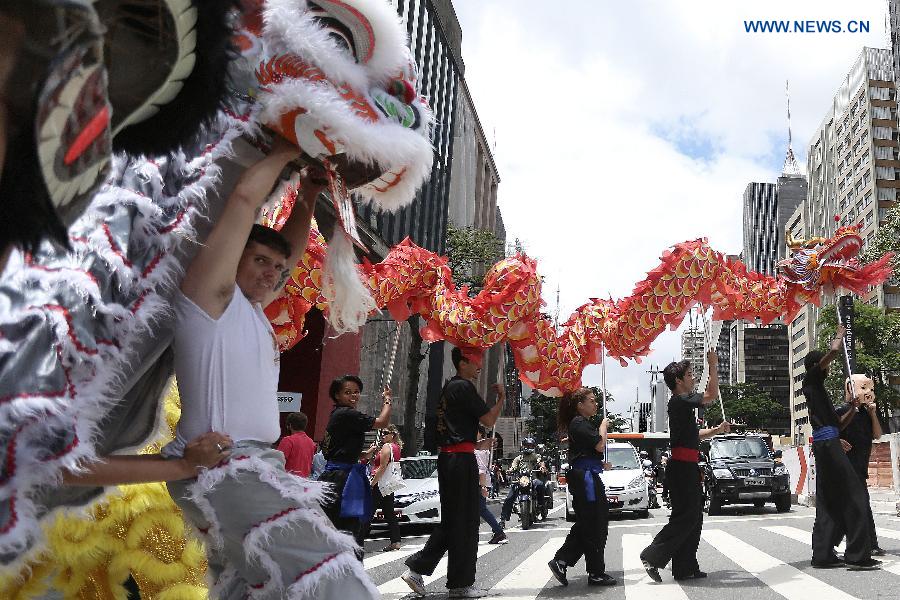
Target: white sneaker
417	584
468	592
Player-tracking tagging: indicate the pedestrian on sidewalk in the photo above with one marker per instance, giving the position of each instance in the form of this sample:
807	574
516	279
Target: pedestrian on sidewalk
297	447
679	539
587	444
483	457
460	410
841	500
350	505
390	450
863	428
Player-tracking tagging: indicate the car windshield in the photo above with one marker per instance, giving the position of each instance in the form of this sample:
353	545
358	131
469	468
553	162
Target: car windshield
421	468
745	448
622	459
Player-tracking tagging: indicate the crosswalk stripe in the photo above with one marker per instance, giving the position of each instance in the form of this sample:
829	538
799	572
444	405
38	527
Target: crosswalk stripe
528	579
891	534
890	562
799	535
387	557
397	588
784	579
638	585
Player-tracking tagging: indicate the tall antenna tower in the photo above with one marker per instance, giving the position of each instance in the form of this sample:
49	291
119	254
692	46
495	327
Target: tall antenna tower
791	168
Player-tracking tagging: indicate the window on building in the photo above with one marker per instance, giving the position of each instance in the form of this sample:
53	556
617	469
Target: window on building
881	112
881	133
884	173
869	217
867	177
867	199
887	194
884	153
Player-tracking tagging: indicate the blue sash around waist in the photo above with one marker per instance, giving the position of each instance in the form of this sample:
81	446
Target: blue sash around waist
829	432
591	467
356	499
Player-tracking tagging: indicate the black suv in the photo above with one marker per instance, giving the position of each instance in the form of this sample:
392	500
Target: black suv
741	470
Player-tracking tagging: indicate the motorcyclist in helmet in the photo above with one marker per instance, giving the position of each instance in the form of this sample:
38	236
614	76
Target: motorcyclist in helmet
527	458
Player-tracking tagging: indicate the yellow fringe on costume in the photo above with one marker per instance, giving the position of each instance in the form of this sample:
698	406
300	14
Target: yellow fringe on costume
138	531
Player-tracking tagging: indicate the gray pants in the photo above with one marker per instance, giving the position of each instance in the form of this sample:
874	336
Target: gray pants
265	534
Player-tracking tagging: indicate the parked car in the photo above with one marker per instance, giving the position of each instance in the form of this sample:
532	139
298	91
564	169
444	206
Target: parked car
418	502
741	470
626	487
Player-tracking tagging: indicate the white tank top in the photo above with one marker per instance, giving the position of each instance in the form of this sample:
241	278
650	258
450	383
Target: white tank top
227	372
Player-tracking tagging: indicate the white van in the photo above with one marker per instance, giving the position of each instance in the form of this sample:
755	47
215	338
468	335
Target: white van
626	488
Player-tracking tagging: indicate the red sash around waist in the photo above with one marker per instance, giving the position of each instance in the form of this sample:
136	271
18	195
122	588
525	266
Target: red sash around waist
685	454
462	447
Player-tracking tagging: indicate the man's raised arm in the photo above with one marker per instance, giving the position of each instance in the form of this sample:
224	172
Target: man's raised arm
210	279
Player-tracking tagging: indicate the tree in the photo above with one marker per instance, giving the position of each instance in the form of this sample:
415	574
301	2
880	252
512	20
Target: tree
745	404
471	252
877	353
887	239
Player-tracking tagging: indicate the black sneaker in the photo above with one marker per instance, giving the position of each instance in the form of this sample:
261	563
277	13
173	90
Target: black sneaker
876	551
601	579
652	571
499	538
832	563
698	574
863	565
558	568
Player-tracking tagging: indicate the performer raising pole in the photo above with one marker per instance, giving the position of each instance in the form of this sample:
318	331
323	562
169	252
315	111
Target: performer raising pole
679	539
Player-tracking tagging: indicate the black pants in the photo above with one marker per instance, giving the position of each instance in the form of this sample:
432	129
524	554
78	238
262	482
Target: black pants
842	505
332	508
386	504
588	535
679	539
457	534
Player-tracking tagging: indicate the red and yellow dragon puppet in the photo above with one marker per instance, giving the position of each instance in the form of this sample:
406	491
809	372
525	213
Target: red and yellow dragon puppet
413	280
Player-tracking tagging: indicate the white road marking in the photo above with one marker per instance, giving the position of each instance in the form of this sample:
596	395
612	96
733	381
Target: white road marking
799	535
527	580
784	579
638	585
397	588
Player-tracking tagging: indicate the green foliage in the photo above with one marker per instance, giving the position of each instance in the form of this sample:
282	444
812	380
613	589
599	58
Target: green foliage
746	404
470	253
877	353
887	239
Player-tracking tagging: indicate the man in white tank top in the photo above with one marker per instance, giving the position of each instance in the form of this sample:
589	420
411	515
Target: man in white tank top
264	531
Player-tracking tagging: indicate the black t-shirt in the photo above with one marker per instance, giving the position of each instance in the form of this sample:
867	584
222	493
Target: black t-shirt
458	412
583	439
821	410
859	433
683	429
346	434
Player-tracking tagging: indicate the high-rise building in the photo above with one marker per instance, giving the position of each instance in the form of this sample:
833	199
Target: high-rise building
692	349
853	165
759	355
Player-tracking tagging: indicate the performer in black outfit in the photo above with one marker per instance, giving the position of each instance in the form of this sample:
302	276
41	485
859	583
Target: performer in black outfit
586	446
679	539
459	412
350	506
841	500
863	428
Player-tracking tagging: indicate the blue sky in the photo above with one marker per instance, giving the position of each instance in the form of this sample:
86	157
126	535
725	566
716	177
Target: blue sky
663	110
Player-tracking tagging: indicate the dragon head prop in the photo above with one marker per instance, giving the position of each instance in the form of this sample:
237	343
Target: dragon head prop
336	78
829	264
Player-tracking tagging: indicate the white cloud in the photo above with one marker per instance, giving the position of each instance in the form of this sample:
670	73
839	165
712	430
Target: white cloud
590	102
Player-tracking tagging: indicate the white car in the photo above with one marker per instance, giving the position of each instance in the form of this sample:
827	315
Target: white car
626	488
419	502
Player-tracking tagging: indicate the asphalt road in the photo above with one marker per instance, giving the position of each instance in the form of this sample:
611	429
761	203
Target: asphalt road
749	553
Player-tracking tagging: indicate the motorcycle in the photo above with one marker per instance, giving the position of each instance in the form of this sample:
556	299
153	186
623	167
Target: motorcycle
650	476
530	505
